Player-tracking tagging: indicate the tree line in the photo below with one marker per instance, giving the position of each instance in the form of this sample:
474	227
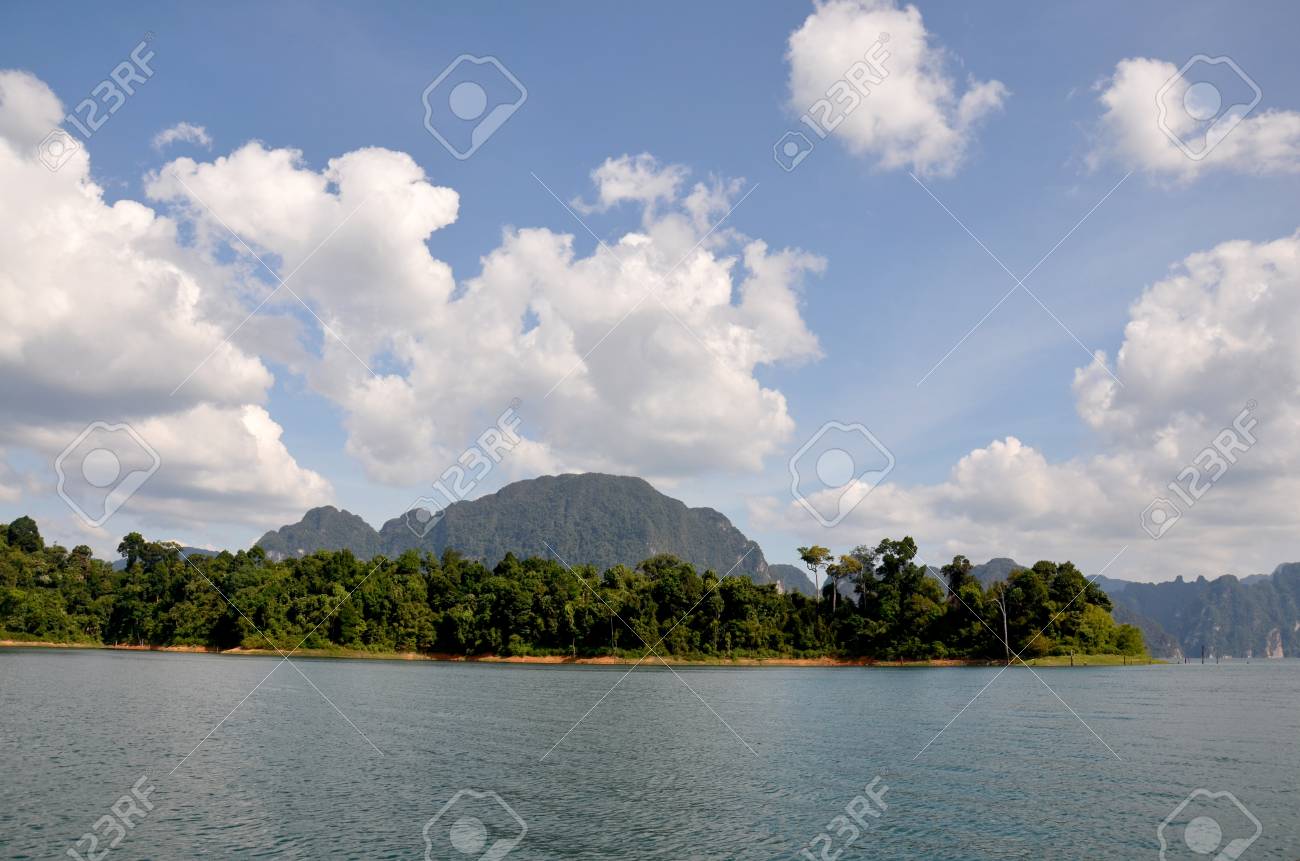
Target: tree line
897	609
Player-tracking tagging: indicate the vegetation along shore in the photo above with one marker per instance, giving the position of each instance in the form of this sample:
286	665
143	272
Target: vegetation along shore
879	606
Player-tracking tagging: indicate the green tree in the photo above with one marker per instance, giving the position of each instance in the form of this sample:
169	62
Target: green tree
964	620
957	575
847	568
815	558
24	535
132	548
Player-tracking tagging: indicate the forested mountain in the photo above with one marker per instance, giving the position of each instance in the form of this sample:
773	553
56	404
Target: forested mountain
1226	616
324	528
995	570
593	519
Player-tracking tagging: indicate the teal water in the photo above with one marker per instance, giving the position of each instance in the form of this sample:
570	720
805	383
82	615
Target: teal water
650	773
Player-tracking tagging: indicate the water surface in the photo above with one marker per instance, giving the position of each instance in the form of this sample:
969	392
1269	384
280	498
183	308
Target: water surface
651	772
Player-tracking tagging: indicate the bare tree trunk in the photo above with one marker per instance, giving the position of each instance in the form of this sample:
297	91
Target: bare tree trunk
1006	639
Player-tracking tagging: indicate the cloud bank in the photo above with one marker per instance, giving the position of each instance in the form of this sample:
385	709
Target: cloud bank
638	356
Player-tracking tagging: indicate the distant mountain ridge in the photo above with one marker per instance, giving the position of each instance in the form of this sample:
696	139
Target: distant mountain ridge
585	519
1257	615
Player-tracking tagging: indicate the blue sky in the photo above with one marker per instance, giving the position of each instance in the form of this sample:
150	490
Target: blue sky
708	87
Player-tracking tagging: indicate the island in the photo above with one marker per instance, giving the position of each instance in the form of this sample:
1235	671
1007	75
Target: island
878	605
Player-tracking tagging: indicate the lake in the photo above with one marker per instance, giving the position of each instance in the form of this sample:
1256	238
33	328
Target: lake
718	763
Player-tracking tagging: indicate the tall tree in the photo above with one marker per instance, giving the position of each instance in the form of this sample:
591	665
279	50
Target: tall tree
847	568
815	557
866	579
132	548
957	575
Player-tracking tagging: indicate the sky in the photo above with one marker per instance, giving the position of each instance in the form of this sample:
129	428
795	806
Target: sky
1010	291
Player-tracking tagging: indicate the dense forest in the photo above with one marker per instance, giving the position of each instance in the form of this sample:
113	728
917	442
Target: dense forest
422	603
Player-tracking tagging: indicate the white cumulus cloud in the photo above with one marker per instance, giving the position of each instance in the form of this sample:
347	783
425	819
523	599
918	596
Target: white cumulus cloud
919	117
637	357
641	179
103	310
1136	133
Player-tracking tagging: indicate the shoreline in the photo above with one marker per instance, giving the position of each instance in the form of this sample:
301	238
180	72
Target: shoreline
602	660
